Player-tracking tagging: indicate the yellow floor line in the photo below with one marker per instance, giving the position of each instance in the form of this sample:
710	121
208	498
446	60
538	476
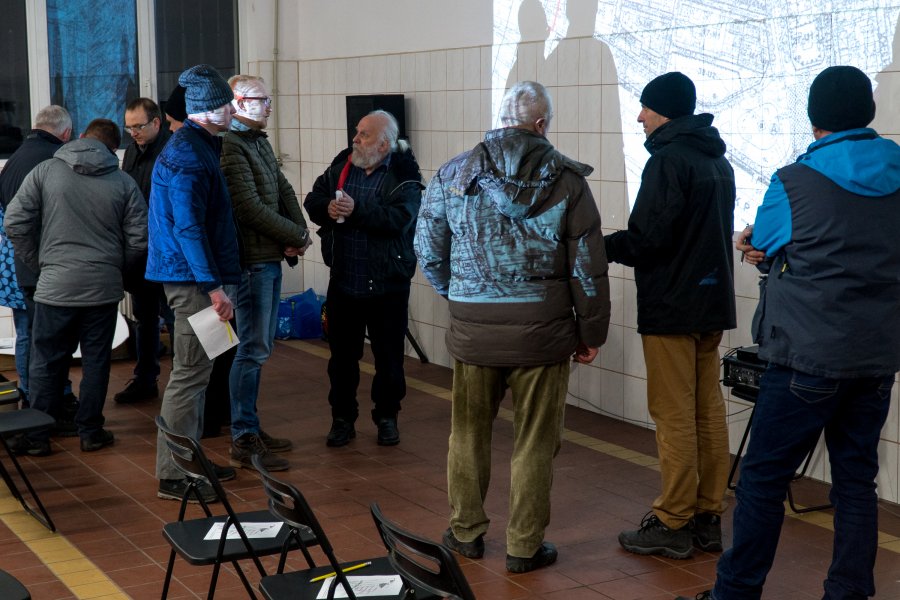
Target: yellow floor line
886	541
83	578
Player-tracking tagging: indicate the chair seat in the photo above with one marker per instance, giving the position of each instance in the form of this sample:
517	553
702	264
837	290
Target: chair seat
296	586
11	589
186	537
23	421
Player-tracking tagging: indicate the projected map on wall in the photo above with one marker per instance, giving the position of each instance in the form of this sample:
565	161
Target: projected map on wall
752	62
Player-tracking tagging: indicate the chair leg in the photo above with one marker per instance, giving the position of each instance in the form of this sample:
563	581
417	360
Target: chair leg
244	580
740	450
44	517
168	579
801	475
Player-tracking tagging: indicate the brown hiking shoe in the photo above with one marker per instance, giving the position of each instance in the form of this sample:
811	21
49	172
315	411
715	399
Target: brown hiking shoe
245	447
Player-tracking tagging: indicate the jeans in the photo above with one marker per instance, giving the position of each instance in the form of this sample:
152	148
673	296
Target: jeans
792	410
256	312
145	307
56	332
385	318
539	403
22	322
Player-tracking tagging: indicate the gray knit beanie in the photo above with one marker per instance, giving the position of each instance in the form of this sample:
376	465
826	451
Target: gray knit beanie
205	89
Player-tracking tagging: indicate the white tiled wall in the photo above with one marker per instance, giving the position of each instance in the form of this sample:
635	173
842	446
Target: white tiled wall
448	104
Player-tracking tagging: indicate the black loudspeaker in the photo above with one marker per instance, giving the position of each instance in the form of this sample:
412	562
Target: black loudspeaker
360	106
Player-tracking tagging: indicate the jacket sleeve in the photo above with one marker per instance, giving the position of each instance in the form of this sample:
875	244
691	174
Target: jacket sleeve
189	188
288	199
652	226
394	215
249	209
134	225
23	220
316	202
588	268
433	236
773	226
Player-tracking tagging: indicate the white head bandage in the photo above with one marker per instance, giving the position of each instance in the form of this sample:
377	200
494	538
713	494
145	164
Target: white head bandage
213	117
253	95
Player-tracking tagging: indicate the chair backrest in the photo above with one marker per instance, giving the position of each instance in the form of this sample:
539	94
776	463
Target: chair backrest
426	564
190	459
11	588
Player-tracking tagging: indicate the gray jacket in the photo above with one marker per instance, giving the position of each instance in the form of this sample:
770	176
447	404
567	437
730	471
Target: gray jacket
81	221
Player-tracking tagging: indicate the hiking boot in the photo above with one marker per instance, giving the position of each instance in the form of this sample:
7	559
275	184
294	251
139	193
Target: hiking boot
224	473
173	489
388	434
545	556
245	447
137	391
473	549
341	433
707	595
275	444
655	538
99	439
707	529
23	445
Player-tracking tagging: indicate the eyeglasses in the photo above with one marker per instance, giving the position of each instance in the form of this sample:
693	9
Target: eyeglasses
264	99
133	129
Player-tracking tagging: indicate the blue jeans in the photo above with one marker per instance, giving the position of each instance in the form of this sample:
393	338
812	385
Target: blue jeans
22	323
792	411
256	312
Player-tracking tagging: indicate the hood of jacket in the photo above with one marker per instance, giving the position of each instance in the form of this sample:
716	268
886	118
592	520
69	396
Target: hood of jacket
516	169
858	160
87	156
695	131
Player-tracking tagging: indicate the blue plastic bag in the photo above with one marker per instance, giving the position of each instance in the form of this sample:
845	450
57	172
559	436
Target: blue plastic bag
300	317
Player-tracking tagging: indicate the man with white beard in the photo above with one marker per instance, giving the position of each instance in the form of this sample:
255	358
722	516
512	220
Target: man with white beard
365	205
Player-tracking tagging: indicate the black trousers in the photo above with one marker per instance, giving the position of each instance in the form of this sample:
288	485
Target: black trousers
385	318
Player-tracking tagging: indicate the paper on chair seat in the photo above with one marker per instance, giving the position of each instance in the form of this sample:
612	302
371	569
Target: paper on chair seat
215	336
253	530
365	586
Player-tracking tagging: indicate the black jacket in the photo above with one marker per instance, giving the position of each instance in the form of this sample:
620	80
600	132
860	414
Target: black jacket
139	164
389	224
679	234
38	146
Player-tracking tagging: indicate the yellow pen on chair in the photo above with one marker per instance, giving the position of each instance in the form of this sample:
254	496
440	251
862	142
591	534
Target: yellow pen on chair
344	570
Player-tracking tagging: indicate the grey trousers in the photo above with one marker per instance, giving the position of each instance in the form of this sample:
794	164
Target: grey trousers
539	401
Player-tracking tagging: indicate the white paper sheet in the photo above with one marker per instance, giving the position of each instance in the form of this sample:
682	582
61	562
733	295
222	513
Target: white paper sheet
365	586
215	336
253	530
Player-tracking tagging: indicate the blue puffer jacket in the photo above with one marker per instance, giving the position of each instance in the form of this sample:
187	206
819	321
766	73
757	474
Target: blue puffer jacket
192	232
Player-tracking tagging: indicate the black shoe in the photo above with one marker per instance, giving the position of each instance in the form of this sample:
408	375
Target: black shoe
245	447
655	538
388	434
707	595
341	433
69	407
707	529
473	549
64	429
23	445
99	439
275	444
224	473
136	391
545	556
173	489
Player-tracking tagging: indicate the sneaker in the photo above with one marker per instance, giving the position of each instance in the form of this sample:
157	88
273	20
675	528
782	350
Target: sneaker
655	538
473	549
224	473
545	556
388	434
707	595
173	489
275	444
97	440
137	391
245	447
341	433
707	529
23	445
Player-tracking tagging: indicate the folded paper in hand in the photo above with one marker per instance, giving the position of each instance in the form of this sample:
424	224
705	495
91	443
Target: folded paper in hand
215	336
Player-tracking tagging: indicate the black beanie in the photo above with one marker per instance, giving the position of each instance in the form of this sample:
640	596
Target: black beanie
840	98
671	95
174	106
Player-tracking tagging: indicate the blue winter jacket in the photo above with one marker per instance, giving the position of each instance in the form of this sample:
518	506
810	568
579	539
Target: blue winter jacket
192	231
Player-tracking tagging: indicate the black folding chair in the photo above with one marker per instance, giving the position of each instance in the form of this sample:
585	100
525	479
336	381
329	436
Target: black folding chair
422	563
11	588
20	422
288	504
186	536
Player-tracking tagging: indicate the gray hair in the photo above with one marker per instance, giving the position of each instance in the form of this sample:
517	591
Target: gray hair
524	103
391	131
53	119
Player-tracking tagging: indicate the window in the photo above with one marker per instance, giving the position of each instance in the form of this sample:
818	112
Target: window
15	99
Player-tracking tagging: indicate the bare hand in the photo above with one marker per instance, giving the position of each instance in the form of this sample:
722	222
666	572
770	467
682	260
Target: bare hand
585	354
292	251
344	206
221	303
750	255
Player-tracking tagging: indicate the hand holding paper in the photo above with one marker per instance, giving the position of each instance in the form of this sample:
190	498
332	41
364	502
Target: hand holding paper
216	336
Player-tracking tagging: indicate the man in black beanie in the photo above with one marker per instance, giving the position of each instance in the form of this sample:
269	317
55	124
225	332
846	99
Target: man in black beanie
679	242
829	327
